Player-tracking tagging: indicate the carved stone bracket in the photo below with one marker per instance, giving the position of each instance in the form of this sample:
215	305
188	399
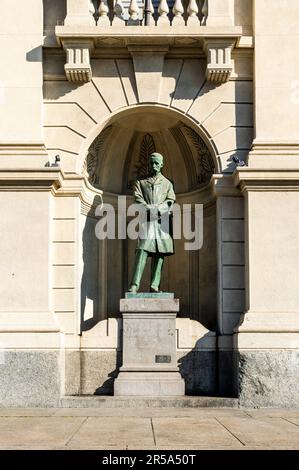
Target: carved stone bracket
77	67
219	64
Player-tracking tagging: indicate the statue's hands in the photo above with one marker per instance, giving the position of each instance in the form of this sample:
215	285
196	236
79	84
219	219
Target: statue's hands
152	211
165	208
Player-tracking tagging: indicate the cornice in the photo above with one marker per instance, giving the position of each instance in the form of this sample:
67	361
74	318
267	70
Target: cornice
23	179
22	148
272	147
79	186
264	179
147	35
55	180
29	322
268	322
223	185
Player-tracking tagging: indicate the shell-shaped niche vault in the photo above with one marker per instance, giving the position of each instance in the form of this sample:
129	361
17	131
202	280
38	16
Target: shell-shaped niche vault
119	154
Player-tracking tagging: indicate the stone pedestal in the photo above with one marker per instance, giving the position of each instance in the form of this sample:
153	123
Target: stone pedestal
149	346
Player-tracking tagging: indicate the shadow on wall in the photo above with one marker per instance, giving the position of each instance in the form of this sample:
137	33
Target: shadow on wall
107	387
53	90
199	369
243	124
184	89
56	89
90	312
54	13
35	55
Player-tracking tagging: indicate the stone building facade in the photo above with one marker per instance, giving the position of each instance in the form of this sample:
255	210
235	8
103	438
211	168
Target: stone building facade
206	83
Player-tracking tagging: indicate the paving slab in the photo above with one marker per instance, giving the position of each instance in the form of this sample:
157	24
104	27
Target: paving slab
292	420
148	429
111	431
262	431
38	431
182	432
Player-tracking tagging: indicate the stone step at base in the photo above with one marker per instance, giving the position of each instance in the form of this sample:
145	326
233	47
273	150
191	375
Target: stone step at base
85	401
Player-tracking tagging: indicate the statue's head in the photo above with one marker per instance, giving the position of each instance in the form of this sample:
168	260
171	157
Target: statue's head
155	163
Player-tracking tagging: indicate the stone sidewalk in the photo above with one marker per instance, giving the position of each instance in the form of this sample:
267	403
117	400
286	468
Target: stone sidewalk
151	428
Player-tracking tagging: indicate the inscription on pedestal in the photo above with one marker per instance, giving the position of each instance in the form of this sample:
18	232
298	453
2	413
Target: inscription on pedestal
162	359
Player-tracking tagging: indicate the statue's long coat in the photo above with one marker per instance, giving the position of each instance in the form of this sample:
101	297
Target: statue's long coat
158	234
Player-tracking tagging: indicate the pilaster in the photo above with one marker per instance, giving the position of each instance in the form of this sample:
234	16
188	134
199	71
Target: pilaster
266	341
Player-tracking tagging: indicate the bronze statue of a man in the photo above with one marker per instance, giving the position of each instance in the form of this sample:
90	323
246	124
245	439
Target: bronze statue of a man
156	194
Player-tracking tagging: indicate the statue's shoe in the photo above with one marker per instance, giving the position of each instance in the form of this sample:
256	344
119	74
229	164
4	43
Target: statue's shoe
156	290
133	288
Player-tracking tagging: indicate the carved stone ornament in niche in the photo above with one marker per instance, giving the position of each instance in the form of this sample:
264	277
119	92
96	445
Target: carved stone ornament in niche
95	155
140	171
205	164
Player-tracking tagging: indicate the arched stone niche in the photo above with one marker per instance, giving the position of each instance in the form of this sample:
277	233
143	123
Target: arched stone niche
115	159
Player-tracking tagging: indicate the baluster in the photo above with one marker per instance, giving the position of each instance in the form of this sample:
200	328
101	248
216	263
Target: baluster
118	9
152	11
204	12
152	7
192	11
103	11
163	11
178	11
134	13
91	8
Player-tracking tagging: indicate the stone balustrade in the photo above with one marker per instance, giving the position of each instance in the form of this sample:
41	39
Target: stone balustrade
207	23
115	13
